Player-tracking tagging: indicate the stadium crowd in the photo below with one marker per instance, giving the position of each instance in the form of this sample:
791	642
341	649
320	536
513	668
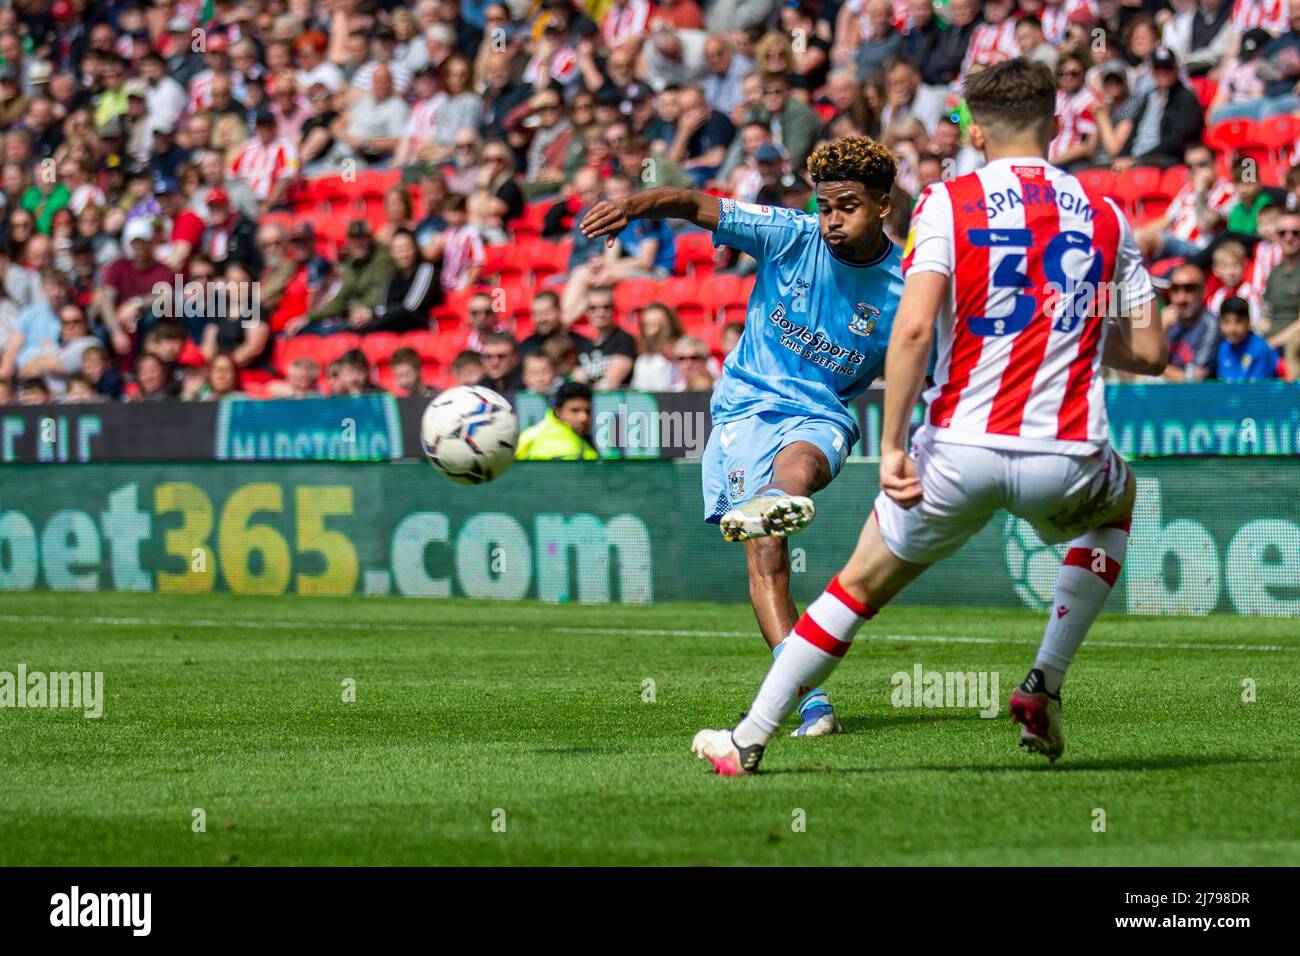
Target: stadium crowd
339	196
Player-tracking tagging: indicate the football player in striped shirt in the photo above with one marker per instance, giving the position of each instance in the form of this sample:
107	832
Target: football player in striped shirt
817	327
1032	283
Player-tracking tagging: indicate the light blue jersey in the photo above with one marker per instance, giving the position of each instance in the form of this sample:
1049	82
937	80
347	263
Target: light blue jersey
817	327
815	336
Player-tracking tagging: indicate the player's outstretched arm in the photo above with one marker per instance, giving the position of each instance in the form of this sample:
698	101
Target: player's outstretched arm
609	218
905	362
1137	343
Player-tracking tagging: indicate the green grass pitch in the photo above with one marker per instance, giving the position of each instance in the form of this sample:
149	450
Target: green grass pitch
533	716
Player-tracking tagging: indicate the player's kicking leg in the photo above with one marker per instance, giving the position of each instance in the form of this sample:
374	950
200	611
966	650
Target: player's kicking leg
817	643
1091	566
798	470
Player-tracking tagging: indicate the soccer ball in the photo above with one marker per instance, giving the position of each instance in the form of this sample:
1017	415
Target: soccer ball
469	434
1033	566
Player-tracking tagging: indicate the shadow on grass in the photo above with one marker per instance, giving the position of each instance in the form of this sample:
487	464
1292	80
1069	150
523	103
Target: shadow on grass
1064	765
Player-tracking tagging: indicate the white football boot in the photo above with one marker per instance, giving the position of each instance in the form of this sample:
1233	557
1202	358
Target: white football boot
719	749
777	516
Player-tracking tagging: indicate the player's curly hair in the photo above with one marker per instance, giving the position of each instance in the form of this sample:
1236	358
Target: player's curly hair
858	159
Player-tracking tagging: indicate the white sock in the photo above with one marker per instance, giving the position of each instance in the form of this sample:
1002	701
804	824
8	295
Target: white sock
819	640
1091	567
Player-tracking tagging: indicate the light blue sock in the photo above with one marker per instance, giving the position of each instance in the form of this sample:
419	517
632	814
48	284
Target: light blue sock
815	697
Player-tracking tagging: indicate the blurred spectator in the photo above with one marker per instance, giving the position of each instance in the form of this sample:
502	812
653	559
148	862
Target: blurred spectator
408	375
151	381
905	96
125	300
1202	35
1197	211
1192	331
1243	354
233	331
56	361
97	368
80	391
731	333
33	391
539	373
267	162
563	433
460	247
693	360
300	380
374	125
608	365
365	277
1228	266
467	367
868	39
1032	43
1168	121
1281	312
726	70
655	369
1240	83
563	351
410	293
351	374
1114	117
1076	105
501	365
230	236
548	324
944	64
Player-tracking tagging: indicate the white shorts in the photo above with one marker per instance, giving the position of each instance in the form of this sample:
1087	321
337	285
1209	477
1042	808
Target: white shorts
963	486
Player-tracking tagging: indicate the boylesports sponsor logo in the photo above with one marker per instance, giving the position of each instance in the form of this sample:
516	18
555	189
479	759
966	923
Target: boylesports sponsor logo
813	345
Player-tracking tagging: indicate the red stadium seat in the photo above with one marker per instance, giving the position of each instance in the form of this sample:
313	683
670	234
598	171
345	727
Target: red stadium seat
725	297
447	318
1278	135
1173	179
1100	181
683	296
1229	135
631	294
498	262
1205	90
1137	185
694	254
380	346
426	344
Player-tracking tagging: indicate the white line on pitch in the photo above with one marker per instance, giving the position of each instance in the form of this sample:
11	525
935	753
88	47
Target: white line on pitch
632	631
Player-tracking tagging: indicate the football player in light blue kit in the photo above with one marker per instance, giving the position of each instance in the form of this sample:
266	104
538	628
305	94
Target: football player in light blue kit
816	333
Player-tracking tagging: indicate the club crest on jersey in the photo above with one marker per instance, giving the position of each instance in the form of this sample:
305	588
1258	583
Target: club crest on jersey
736	482
864	319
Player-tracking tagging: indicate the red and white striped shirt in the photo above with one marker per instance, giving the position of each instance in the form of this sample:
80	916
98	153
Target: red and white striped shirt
462	249
1271	15
262	167
1181	214
424	120
201	91
1036	264
1246	290
1267	255
991	43
1056	20
562	67
1077	120
626	22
